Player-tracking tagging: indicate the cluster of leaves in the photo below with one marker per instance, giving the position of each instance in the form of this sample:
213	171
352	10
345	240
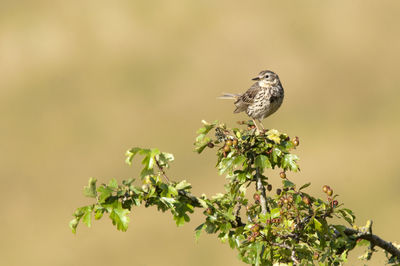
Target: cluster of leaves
284	226
118	200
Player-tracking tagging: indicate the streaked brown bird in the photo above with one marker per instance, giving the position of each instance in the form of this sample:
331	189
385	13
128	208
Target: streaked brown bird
262	99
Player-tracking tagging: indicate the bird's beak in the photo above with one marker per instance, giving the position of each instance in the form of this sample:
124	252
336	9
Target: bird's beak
257	78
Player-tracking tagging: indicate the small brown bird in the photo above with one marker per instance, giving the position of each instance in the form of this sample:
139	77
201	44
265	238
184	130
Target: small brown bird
262	99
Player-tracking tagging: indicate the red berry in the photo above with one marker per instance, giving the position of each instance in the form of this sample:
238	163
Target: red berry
335	203
282	175
256	197
227	148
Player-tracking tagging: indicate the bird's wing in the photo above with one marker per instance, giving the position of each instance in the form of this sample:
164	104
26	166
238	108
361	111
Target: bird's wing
246	98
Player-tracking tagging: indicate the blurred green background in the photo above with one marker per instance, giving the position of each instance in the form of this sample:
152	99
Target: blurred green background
83	81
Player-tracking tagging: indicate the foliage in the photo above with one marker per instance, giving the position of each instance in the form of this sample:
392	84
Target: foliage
287	226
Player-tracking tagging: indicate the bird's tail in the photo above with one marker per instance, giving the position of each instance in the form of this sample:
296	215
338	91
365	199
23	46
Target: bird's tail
229	96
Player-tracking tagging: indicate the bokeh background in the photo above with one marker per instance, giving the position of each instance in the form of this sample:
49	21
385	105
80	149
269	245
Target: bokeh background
83	81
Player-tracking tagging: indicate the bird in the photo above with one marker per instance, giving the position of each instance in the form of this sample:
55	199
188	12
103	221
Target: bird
261	100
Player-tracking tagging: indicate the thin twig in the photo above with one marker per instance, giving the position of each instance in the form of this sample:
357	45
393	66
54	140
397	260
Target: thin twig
162	170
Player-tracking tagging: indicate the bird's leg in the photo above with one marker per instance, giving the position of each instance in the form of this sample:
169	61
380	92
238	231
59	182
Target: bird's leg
261	125
254	121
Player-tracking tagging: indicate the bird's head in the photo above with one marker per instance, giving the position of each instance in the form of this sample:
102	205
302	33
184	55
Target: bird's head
267	78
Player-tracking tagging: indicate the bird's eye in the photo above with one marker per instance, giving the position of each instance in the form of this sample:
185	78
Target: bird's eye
267	76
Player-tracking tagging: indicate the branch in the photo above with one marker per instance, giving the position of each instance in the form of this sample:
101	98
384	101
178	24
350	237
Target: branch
260	187
374	240
293	254
237	215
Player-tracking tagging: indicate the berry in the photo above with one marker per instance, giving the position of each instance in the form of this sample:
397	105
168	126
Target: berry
255	234
335	203
296	141
131	193
251	239
306	200
227	148
329	192
229	142
325	188
315	256
285	200
256	197
269	187
210	145
282	175
290	198
278	191
235	142
209	211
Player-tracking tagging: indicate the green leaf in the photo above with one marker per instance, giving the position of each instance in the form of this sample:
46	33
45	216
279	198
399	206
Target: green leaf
289	162
347	215
207	127
146	172
113	184
305	186
87	217
239	160
275	213
225	165
164	159
276	153
317	225
198	231
262	162
98	212
203	203
183	185
362	243
287	183
104	193
179	220
119	217
274	135
90	190
130	154
73	224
